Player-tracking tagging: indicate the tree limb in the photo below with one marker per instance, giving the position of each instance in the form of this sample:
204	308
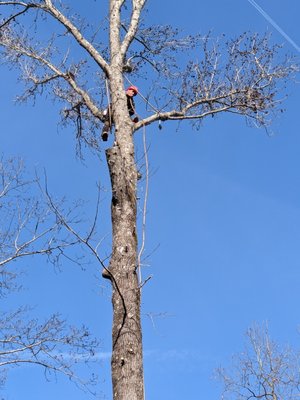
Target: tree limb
81	40
134	22
19	48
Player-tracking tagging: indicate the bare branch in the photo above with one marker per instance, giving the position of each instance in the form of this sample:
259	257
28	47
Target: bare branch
14	16
49	8
244	82
51	344
134	22
77	35
28	226
263	370
20	47
114	32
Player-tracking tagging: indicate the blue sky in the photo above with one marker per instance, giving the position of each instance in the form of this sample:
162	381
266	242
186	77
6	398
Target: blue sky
223	224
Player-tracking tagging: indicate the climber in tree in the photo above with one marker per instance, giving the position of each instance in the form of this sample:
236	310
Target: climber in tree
131	91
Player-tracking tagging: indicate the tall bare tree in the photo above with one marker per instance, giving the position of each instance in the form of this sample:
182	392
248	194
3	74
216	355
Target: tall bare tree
241	76
264	370
29	227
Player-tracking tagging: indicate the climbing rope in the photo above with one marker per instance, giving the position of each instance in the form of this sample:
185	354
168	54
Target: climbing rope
144	206
144	223
143	97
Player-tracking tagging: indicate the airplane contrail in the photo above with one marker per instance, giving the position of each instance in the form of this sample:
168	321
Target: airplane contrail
272	22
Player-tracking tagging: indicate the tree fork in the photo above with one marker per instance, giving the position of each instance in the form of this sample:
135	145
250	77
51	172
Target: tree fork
127	357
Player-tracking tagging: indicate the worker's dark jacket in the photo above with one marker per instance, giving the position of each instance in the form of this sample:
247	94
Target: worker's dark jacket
130	106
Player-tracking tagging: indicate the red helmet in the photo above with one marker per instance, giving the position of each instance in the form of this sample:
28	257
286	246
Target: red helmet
134	88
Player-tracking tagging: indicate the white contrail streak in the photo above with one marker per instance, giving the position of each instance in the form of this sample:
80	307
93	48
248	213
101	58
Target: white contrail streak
272	22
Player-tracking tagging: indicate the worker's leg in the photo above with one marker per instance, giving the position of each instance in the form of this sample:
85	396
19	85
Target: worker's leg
105	131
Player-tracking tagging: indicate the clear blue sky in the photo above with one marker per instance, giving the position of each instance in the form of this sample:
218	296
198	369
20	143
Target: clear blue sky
223	210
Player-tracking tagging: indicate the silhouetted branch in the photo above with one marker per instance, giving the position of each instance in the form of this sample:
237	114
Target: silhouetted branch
264	370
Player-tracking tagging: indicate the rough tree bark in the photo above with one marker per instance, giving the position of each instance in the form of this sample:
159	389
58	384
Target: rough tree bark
127	367
127	355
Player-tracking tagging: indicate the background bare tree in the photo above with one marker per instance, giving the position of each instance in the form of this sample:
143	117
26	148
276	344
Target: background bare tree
264	370
30	228
243	76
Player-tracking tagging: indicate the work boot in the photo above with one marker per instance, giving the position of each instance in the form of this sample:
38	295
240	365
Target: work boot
104	135
105	131
106	274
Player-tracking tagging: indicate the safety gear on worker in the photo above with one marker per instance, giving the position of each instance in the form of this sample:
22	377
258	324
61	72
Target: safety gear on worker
134	88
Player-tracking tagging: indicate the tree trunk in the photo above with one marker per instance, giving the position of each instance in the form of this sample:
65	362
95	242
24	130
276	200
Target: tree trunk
127	357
